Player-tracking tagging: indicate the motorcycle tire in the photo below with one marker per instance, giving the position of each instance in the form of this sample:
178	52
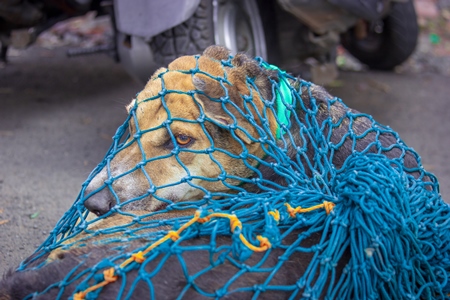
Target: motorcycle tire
203	29
390	47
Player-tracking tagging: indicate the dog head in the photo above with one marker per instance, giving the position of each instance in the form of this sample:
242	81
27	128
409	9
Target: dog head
195	129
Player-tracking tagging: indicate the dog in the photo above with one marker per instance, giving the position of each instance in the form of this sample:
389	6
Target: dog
226	128
160	174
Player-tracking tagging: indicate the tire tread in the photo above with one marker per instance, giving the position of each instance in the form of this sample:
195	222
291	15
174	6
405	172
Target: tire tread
399	42
188	38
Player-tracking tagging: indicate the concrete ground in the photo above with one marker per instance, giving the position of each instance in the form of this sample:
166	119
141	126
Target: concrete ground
57	116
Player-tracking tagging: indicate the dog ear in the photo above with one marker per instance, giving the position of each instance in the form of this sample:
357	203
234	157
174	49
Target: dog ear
215	110
250	78
157	72
217	52
246	67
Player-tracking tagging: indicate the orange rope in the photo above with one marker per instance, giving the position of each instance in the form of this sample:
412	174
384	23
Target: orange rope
108	278
264	243
328	206
138	257
275	214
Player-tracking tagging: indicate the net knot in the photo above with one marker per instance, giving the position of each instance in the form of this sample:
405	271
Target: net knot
259	288
138	257
234	222
173	235
264	243
275	214
292	212
328	206
109	275
79	296
204	219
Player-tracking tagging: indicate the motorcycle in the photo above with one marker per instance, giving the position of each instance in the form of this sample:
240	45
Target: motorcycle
300	36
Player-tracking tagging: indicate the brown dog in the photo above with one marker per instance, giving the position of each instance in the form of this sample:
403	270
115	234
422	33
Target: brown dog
159	175
126	177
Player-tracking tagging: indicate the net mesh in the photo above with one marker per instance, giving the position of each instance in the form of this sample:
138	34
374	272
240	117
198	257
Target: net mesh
330	203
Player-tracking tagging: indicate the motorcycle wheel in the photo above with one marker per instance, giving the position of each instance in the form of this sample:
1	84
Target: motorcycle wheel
389	42
235	24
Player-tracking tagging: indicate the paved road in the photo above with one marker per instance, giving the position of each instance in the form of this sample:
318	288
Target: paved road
57	116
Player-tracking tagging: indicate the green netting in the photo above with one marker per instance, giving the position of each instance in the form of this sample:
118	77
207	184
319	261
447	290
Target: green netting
377	228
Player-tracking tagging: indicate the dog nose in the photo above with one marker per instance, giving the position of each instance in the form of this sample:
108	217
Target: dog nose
100	203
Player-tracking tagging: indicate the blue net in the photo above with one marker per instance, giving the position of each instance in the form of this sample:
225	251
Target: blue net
232	178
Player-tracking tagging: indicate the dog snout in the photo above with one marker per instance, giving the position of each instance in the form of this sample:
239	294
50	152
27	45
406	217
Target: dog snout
100	203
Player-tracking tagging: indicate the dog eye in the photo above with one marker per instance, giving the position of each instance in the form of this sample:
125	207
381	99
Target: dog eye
183	140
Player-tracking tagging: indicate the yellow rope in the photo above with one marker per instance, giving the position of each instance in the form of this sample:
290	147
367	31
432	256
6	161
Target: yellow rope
264	243
275	214
328	206
138	257
108	278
